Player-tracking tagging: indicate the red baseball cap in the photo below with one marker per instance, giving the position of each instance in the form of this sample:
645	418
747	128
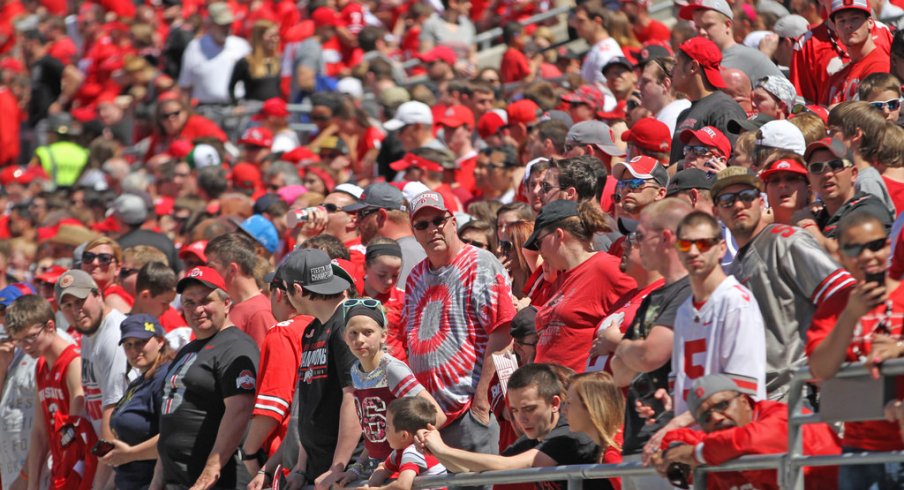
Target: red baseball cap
325	16
783	165
649	134
642	167
524	111
439	53
204	275
586	94
164	205
618	113
457	115
709	136
17	175
412	160
491	122
196	249
51	274
708	55
257	137
246	176
273	106
301	155
180	148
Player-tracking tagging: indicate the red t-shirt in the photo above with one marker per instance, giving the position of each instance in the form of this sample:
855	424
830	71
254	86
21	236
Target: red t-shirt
514	67
813	53
253	316
453	204
874	435
465	174
843	85
396	343
356	252
117	290
538	289
607	201
567	322
9	128
278	375
654	31
372	139
172	319
896	191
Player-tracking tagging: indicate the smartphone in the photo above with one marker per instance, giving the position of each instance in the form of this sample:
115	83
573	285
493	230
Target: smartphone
102	448
876	277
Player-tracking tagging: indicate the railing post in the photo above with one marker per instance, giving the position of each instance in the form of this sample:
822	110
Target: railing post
790	473
700	480
575	483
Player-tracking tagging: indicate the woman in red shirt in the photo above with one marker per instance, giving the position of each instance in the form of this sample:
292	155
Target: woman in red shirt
176	122
382	264
590	282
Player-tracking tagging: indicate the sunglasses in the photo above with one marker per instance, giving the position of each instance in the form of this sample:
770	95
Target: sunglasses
438	222
719	408
170	115
703	244
477	244
365	302
891	104
729	199
546	187
855	249
631	184
697	150
103	259
330	207
822	167
124	273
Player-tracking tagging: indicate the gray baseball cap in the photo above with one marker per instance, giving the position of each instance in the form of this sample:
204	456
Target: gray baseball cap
379	195
76	282
593	133
709	385
791	26
721	6
130	209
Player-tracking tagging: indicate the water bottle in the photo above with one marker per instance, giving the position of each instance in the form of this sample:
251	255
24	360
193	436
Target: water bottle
299	216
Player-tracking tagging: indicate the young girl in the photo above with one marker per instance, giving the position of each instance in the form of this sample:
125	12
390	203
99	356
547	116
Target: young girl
382	265
378	379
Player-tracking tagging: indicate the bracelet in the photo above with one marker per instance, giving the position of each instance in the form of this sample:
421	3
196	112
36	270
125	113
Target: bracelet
23	475
265	473
356	468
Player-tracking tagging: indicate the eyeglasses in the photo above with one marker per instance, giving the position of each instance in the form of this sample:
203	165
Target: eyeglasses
891	104
702	244
124	273
438	222
365	302
821	167
546	187
103	259
855	249
697	150
477	244
719	408
31	339
729	199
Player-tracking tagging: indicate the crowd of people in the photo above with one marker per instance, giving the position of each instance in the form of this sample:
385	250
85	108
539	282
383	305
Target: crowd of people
255	244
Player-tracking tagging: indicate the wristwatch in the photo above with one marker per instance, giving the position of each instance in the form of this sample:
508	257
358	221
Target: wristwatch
260	455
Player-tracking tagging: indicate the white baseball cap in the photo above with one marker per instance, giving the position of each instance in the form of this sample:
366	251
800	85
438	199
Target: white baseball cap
413	112
782	134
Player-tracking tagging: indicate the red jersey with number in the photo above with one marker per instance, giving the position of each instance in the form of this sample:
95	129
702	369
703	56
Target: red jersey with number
73	465
888	318
567	322
278	375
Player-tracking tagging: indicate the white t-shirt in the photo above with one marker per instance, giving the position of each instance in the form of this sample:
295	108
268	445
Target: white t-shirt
285	140
16	415
725	336
596	59
104	367
668	115
207	67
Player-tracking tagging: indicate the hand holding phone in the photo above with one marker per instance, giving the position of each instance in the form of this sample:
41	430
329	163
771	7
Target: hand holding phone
102	448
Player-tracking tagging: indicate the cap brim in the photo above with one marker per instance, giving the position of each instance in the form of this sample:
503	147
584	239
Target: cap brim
138	335
355	207
398	166
393	125
715	78
335	285
737	127
80	293
611	150
531	242
687	12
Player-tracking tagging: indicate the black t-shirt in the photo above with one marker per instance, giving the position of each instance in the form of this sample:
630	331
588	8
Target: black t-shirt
46	75
326	364
861	201
201	377
659	308
566	448
256	88
136	419
153	239
716	109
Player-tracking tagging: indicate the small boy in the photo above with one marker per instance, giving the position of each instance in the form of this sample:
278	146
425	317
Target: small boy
59	426
515	66
405	417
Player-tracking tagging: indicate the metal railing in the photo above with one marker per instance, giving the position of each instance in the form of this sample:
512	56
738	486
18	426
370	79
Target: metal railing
484	40
789	465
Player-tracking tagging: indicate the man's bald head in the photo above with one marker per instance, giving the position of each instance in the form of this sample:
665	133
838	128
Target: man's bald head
738	86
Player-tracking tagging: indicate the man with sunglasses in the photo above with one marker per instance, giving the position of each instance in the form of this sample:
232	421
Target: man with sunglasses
790	274
463	292
707	149
725	408
721	316
493	174
833	179
639	182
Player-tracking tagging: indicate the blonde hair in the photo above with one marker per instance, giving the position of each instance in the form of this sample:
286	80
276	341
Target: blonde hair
604	401
260	63
891	149
619	27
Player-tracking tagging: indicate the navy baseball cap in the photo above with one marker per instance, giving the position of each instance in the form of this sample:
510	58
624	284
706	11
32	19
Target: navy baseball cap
140	326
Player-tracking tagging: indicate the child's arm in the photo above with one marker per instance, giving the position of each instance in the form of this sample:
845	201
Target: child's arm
403	482
37	447
380	475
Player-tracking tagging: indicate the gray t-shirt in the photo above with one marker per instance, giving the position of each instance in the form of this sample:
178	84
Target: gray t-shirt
16	415
459	36
104	367
869	181
751	61
307	53
412	254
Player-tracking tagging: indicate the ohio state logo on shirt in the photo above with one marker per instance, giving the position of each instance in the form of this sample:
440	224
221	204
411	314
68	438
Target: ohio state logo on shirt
245	380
